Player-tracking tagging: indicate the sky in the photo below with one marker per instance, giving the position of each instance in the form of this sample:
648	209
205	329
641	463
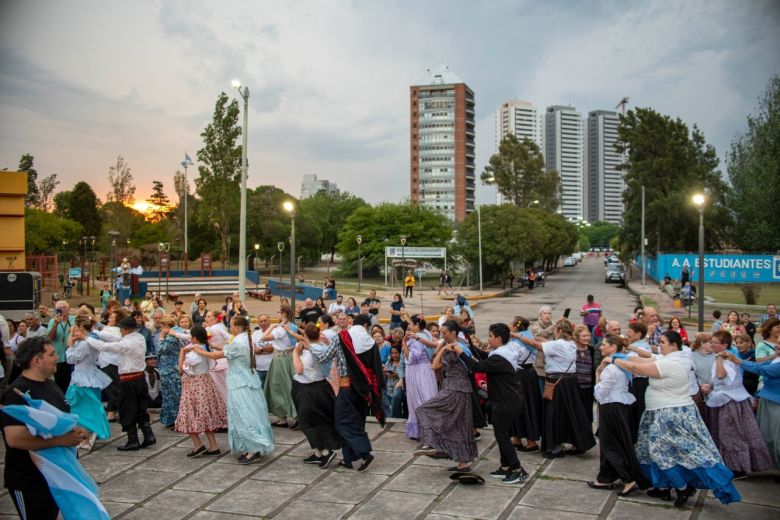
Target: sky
83	82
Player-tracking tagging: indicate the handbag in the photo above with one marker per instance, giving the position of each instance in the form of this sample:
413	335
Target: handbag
549	387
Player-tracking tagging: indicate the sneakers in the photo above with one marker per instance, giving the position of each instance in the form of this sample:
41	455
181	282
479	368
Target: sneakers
313	459
515	476
500	473
325	460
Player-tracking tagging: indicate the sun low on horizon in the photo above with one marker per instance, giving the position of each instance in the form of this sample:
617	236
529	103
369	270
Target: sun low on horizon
147	209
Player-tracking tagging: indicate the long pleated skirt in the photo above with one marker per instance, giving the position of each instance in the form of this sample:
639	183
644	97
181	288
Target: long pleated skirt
638	389
420	387
565	420
316	403
617	455
85	402
736	434
529	423
201	408
446	423
769	423
278	387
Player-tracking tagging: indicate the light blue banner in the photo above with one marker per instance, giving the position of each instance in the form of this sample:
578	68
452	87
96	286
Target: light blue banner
717	268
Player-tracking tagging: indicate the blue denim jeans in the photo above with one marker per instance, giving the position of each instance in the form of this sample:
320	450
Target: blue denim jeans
262	374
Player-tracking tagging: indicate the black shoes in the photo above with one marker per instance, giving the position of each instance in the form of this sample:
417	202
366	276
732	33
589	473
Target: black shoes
368	459
132	443
663	494
312	459
325	460
683	495
514	476
149	439
196	452
255	457
553	454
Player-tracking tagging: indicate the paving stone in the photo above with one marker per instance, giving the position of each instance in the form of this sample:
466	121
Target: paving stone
579	467
135	485
216	478
115	508
565	495
349	487
7	505
255	497
393	504
526	512
394	441
373	429
714	510
757	490
625	510
289	469
484	502
102	467
170	504
214	515
287	436
163	443
420	479
305	509
388	462
175	460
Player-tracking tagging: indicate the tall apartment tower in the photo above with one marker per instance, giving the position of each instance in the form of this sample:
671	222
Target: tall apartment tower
563	153
442	144
523	120
604	179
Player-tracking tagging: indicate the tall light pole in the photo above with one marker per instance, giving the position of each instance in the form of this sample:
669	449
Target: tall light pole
359	239
113	235
479	244
403	260
280	247
92	262
644	262
244	93
185	163
84	241
289	207
699	200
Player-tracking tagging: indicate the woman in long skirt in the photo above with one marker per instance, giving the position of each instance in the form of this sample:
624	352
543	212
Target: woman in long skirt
201	409
420	377
731	421
529	426
445	421
218	338
674	449
249	431
585	370
314	400
565	420
278	382
168	366
769	394
617	458
86	382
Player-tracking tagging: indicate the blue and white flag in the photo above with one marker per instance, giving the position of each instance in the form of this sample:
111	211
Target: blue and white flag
187	159
73	489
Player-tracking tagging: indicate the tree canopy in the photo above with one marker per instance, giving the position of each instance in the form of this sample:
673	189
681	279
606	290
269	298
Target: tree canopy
121	181
754	171
518	172
329	212
45	232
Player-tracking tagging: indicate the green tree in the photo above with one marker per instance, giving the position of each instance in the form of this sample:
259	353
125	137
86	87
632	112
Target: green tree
44	232
82	206
219	171
45	191
121	180
600	234
560	237
120	218
672	163
519	174
26	165
754	171
159	201
382	226
62	203
328	212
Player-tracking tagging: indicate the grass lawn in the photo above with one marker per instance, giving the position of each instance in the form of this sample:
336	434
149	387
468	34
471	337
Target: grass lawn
731	293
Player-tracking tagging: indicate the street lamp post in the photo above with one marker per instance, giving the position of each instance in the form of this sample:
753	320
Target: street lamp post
359	239
479	245
699	200
113	234
84	241
92	269
403	259
290	208
185	163
280	247
244	93
255	268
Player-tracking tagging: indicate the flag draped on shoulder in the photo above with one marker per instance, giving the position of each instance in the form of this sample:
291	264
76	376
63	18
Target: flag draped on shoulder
73	489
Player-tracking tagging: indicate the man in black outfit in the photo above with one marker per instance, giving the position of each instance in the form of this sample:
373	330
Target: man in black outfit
505	394
311	313
26	485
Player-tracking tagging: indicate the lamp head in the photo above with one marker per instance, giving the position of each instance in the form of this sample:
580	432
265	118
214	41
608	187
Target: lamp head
698	199
257	247
359	239
288	206
236	83
280	246
403	240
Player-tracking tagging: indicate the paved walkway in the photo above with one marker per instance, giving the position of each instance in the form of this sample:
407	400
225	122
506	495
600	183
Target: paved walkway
160	482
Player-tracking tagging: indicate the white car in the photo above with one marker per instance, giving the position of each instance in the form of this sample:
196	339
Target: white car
569	261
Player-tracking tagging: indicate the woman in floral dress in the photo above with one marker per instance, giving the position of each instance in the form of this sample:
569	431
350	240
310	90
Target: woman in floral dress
168	366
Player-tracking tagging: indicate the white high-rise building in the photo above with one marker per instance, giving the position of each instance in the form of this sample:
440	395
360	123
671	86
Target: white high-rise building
523	120
563	153
604	180
311	186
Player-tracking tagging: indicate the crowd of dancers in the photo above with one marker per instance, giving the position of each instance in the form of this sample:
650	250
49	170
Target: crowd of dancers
669	418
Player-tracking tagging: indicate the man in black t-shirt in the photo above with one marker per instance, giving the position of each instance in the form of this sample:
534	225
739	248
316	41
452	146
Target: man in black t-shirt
26	485
373	303
311	313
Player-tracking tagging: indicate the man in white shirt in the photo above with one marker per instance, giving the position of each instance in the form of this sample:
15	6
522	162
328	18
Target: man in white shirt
263	349
34	327
133	392
337	307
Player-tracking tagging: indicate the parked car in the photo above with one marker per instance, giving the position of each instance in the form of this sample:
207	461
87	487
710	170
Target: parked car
615	272
569	261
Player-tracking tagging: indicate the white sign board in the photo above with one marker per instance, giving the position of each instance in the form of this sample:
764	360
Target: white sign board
416	252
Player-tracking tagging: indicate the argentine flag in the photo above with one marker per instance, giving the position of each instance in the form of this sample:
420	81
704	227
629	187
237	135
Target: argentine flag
72	488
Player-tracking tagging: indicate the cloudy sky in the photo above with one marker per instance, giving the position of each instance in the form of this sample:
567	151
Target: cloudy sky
82	82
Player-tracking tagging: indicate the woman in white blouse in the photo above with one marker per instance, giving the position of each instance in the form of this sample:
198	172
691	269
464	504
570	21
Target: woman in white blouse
730	420
278	382
617	456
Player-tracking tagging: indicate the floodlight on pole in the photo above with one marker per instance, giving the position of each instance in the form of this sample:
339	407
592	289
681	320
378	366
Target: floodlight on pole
244	93
699	200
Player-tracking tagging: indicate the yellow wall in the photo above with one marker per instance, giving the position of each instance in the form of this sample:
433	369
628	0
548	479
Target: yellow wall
13	190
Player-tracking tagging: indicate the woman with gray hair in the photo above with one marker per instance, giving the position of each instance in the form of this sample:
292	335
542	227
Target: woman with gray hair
543	331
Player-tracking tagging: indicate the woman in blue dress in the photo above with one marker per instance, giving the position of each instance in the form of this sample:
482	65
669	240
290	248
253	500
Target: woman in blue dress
86	382
249	431
168	366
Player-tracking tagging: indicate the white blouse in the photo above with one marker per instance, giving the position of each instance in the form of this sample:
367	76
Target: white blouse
560	356
613	387
282	340
729	388
195	364
312	370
